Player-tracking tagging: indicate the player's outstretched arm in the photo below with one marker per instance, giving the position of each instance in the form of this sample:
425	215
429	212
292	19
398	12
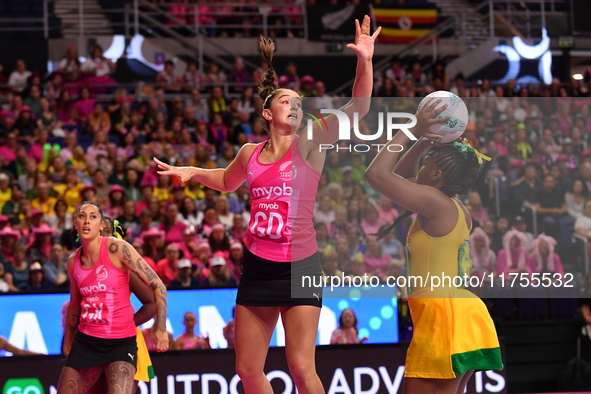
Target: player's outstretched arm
221	179
362	88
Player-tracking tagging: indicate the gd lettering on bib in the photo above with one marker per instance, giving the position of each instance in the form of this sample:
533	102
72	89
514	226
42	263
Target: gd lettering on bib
94	309
269	220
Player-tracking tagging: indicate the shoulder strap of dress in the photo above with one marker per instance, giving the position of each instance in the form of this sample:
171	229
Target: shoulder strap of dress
462	214
78	256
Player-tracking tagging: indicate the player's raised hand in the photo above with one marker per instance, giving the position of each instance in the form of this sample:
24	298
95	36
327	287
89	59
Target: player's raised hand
363	41
427	117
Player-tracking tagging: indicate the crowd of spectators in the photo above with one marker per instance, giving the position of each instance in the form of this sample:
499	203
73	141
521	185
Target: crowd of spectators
245	18
60	146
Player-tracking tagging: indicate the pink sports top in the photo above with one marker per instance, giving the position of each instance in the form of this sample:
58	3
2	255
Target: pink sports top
197	343
283	196
106	310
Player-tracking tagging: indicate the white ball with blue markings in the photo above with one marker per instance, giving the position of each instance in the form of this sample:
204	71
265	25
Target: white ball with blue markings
453	128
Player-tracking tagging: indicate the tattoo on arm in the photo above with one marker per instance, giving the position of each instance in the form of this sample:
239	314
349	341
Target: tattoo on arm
161	310
127	255
149	277
113	248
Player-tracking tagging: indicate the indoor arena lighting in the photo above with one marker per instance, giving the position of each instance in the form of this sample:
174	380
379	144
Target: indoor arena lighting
521	51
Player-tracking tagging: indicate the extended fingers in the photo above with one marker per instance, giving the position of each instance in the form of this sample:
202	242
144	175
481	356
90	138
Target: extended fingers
357	30
440	110
365	26
434	104
375	34
162	165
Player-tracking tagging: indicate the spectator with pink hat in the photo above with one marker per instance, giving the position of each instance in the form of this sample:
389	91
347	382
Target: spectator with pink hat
8	241
36	218
40	248
543	259
513	257
307	86
88	192
115	203
153	240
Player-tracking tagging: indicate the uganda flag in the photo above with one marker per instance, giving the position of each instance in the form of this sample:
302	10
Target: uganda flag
404	25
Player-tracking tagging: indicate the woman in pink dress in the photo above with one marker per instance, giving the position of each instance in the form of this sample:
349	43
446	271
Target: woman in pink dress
189	340
513	257
101	334
543	258
85	105
375	260
281	241
347	333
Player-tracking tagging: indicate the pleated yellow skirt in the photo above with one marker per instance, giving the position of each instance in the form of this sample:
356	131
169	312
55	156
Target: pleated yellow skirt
451	335
144	371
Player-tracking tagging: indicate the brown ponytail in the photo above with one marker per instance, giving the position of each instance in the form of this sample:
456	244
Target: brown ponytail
269	83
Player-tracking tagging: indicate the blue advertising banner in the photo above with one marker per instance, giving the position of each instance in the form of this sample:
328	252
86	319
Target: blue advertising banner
33	321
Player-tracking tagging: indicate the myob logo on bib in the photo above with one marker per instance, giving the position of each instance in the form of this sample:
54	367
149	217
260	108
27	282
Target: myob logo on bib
271	191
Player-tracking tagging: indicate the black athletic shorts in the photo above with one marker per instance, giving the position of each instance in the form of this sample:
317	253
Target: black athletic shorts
87	351
271	283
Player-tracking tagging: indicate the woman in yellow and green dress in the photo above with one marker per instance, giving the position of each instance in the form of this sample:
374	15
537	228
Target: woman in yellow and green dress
453	334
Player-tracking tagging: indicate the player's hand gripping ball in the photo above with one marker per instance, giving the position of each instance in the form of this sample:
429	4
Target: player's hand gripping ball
453	128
